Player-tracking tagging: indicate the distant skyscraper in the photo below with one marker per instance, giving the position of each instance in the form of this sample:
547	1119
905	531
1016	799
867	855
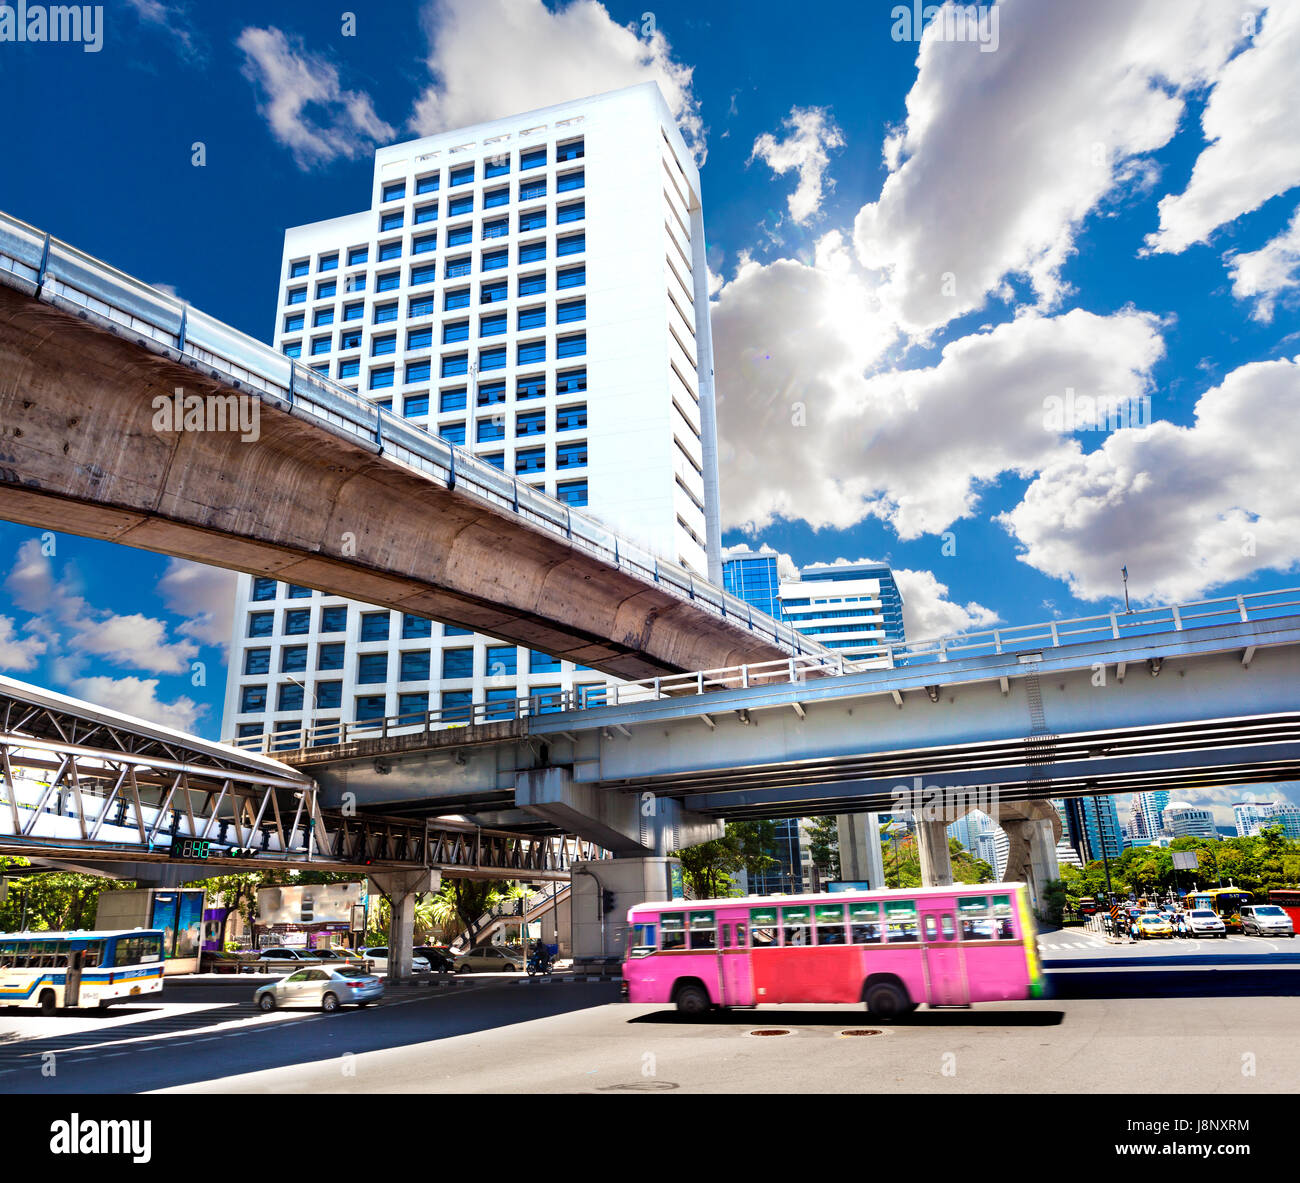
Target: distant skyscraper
854	608
1150	807
1093	826
1252	817
1189	821
752	575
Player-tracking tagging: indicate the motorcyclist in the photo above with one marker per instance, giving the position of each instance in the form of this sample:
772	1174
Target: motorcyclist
540	955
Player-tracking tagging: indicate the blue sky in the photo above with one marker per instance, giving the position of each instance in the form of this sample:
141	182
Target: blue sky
916	244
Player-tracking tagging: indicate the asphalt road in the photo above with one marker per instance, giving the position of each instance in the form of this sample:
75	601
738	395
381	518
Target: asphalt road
1120	1018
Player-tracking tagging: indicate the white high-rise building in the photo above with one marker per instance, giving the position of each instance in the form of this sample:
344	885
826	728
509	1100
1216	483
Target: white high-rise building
1252	817
535	290
853	608
1188	821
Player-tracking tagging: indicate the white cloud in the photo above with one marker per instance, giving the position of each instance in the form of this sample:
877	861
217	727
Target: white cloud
304	103
928	612
1003	155
205	596
173	19
18	653
139	697
809	432
1187	508
136	641
804	151
1263	275
492	58
1254	137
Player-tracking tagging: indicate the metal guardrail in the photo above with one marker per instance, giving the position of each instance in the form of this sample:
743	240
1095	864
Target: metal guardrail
61	275
1018	639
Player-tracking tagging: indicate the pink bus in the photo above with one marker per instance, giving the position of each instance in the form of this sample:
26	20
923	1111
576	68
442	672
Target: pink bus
893	950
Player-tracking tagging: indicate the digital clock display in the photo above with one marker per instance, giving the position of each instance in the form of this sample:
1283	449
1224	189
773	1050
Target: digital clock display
192	849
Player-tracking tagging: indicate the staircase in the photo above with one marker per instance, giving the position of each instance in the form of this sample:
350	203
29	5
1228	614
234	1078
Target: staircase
510	912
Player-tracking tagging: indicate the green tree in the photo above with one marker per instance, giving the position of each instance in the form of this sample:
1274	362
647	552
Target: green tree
825	844
52	900
1052	904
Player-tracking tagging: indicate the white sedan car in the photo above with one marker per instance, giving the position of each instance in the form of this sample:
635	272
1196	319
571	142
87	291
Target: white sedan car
379	958
1201	922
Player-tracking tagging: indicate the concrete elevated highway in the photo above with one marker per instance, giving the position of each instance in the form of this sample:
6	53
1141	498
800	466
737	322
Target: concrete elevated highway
286	474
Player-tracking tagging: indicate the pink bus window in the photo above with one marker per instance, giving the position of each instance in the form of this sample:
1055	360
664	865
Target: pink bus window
829	919
864	920
1002	918
762	927
704	930
795	929
673	926
949	929
900	916
741	936
931	929
641	940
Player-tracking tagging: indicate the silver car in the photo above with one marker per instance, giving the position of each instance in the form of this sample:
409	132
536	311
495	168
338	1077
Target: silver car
1266	920
378	958
326	987
491	959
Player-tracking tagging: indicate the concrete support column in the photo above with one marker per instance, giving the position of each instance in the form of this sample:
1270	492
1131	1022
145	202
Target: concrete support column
1032	856
600	936
400	889
932	845
860	860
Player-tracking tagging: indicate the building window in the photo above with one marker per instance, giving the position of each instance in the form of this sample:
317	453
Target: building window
532	220
427	184
416	406
380	379
491	359
531	351
458	663
388	282
571	418
497	166
572	492
542	663
320	345
327	291
458	267
531	423
381	345
569	181
491	393
490	429
571	381
289	697
322	316
422	275
329	696
530	460
531	285
457	299
293	659
354	311
392	221
462	176
297	622
457	363
251	699
571	311
374	626
575	211
573	244
415	627
293	324
460	205
370	708
452	400
334	620
395	191
424	244
299	268
355	283
501	661
571	277
497	229
257	661
358	255
496	459
264	588
500	703
495	260
575	346
533	158
453	433
455	331
426	213
532	252
372	668
384	313
414	666
293	349
420	306
296	591
571	455
390	250
573	150
460	235
491	293
533	387
350	369
532	318
451	630
297	296
330	657
412	708
492	326
419	338
418	371
496	197
457	706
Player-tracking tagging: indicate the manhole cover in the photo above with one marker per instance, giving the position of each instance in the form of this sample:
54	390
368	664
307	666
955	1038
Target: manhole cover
862	1031
770	1031
639	1086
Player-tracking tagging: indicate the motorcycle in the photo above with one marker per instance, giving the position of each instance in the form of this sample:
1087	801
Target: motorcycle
539	963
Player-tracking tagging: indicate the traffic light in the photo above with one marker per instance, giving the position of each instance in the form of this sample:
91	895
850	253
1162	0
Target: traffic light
607	900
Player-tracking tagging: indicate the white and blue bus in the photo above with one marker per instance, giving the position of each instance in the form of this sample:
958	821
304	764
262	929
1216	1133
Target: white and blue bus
51	970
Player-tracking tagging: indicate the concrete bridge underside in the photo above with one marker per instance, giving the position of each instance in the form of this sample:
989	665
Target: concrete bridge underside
79	453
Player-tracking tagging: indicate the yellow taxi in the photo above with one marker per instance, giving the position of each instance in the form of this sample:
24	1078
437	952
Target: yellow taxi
1151	925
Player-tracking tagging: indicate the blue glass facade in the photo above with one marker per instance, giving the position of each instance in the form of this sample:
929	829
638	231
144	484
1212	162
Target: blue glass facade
754	579
1093	824
891	600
